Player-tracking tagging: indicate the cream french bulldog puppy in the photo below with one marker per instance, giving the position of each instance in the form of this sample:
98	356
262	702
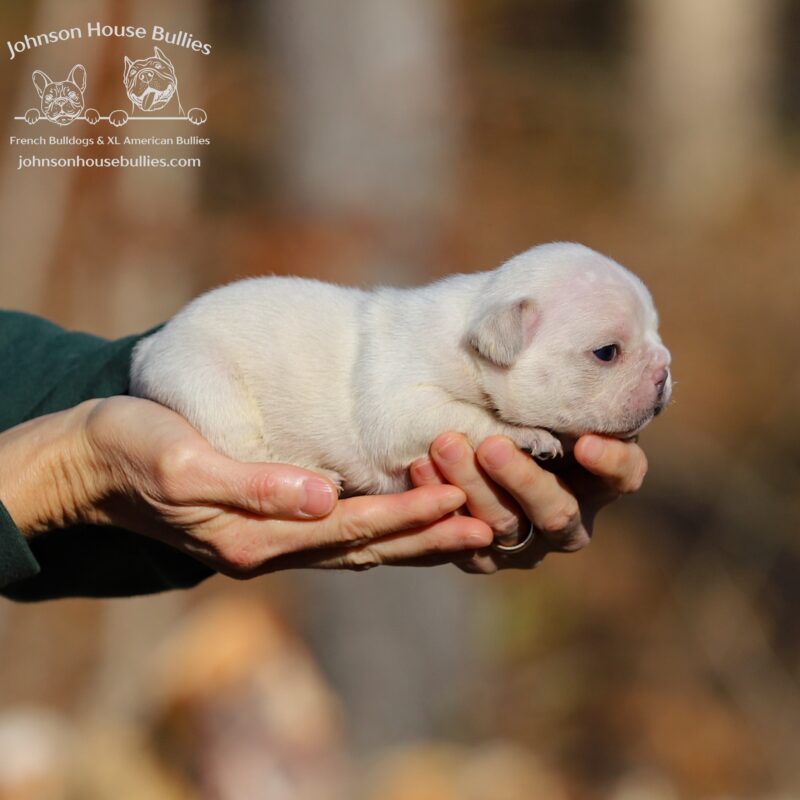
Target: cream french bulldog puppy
557	342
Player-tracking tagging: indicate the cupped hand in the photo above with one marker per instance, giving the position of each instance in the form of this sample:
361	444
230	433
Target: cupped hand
151	472
506	489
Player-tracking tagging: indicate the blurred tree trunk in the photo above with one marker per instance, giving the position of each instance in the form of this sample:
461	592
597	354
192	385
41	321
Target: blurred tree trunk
369	128
703	102
370	133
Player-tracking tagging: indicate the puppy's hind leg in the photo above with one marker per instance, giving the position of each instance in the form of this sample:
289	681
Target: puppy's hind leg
212	399
224	411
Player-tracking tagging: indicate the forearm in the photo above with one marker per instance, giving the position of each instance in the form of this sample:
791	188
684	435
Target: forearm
45	369
47	480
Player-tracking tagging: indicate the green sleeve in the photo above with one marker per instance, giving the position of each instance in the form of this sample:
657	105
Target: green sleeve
43	369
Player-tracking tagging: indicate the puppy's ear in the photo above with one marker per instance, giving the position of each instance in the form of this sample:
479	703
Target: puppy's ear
128	65
501	333
41	81
78	76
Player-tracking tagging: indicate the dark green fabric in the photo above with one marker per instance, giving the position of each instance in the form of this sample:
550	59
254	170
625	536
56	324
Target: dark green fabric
16	559
44	368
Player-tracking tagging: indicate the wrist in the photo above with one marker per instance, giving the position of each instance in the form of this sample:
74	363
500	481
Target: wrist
49	477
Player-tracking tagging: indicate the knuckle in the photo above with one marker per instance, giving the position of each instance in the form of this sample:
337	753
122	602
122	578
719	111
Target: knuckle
240	561
363	559
560	520
240	570
265	487
507	525
354	530
172	467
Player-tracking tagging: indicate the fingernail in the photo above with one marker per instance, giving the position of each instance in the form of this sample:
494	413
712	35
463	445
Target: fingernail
498	454
424	469
452	450
593	449
319	498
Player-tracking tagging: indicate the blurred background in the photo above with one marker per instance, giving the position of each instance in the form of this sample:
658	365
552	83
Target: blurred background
395	141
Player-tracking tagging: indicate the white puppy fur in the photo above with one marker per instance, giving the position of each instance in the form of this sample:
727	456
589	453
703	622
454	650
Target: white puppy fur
355	384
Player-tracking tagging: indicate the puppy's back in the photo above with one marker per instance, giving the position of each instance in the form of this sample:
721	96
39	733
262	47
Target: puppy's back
283	347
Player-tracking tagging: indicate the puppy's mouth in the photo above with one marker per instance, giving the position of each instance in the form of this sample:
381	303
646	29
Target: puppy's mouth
631	434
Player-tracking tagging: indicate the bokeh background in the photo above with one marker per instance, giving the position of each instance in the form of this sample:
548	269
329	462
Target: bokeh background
395	141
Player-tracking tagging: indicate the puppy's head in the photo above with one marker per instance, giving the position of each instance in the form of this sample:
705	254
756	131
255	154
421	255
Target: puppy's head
61	101
150	82
567	339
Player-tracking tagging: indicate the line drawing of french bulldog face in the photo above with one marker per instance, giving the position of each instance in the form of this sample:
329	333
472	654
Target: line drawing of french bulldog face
151	82
62	101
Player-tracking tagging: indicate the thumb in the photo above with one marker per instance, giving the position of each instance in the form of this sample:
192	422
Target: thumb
267	489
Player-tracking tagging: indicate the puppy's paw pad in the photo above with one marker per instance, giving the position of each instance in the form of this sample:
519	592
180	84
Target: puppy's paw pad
197	116
32	116
118	118
92	116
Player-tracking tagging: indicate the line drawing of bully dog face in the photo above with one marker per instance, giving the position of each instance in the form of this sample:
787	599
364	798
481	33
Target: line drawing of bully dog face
152	86
61	101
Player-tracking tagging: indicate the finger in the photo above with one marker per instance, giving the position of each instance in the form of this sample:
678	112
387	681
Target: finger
456	462
480	562
358	520
279	491
553	511
621	465
423	472
489	561
429	545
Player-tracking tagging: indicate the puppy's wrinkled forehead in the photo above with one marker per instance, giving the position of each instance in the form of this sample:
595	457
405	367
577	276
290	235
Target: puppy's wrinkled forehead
593	292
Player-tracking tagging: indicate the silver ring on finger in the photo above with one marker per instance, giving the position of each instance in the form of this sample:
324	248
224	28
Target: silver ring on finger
522	544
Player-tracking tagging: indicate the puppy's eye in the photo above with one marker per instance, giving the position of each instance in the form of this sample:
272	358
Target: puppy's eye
607	353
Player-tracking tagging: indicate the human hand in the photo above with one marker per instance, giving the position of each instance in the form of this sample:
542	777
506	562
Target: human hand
505	488
135	464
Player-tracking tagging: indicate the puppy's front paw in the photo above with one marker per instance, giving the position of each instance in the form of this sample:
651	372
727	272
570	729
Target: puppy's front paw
92	116
197	116
541	443
32	116
118	118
